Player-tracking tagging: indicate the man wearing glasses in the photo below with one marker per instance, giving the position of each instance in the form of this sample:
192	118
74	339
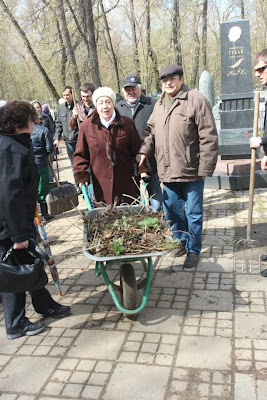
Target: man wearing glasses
260	68
181	132
85	107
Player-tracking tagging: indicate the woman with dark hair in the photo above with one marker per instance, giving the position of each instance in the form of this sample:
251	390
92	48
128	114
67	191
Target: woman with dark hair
18	197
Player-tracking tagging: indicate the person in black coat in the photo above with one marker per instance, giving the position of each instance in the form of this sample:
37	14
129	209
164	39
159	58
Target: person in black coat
18	197
42	144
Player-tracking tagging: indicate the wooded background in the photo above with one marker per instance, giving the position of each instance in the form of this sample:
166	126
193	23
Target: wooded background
46	44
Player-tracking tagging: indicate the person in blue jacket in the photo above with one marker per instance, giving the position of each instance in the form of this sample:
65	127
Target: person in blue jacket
18	196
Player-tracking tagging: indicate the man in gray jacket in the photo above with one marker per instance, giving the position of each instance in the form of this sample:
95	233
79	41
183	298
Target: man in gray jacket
139	107
62	125
181	132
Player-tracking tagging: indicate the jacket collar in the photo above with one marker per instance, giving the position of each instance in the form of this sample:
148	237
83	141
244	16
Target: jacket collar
118	121
182	94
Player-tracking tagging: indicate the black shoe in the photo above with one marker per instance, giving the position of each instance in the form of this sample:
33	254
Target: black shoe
58	311
31	329
263	258
44	212
191	260
180	251
264	273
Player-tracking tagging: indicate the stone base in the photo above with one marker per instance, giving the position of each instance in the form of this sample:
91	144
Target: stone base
236	182
236	167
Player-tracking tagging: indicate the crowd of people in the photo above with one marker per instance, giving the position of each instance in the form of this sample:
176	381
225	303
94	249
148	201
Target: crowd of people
171	143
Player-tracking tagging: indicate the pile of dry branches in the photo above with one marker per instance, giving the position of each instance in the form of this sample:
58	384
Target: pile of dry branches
115	231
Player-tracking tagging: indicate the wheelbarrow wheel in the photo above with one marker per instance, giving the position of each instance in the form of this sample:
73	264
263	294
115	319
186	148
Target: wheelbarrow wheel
128	287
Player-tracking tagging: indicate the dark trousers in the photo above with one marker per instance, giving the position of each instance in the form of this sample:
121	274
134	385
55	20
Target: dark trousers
14	303
14	307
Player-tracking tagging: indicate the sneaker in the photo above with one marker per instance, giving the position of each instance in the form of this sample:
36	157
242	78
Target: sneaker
31	329
180	251
191	260
58	311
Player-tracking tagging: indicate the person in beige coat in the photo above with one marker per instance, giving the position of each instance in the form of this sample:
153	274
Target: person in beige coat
181	132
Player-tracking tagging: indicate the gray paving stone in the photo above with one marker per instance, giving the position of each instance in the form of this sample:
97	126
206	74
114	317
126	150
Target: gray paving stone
215	264
245	387
143	382
249	325
158	320
204	353
173	280
211	300
250	282
97	344
16	375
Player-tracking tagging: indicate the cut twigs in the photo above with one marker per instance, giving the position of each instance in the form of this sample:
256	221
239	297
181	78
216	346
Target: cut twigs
117	231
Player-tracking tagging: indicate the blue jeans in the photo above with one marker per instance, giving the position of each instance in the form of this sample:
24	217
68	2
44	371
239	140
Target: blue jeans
70	151
154	188
183	207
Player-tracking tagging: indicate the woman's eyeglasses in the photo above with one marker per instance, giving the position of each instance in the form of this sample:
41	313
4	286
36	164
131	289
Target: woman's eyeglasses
261	69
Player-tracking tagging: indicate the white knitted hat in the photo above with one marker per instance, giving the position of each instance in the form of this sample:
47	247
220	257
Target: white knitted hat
104	91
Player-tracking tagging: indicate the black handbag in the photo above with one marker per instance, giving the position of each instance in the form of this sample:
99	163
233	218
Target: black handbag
23	270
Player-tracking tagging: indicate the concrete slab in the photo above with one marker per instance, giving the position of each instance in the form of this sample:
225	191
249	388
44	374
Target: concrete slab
219	264
204	353
245	387
169	279
26	374
218	300
141	382
97	344
251	325
250	282
159	320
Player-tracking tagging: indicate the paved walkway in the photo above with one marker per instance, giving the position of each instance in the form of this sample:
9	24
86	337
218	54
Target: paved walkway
202	336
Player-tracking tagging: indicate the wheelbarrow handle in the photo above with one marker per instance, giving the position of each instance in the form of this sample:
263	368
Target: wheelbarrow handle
86	197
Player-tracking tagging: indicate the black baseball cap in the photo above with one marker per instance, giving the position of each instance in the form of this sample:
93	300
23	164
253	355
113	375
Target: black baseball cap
173	69
131	80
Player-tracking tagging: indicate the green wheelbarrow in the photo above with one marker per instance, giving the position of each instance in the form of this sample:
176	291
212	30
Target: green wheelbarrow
129	285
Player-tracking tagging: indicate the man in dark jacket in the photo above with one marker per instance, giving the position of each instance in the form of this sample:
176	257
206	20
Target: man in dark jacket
62	124
139	107
260	68
181	132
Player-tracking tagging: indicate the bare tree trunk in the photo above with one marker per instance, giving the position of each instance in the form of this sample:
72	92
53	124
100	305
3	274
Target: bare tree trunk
242	6
196	50
68	46
176	33
110	45
204	33
136	60
23	36
92	42
150	51
64	57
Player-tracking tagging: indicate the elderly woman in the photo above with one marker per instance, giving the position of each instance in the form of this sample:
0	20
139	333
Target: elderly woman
108	143
18	196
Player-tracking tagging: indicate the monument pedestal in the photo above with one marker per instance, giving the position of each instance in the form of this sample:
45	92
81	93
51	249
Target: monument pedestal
235	175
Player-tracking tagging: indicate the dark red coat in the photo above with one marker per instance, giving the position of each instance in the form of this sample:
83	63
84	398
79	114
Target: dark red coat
109	181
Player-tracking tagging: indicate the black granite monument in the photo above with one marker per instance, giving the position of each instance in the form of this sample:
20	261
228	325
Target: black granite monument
237	93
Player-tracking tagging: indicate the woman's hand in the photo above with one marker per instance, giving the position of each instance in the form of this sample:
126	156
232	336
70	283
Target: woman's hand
21	245
255	142
143	158
83	183
264	163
